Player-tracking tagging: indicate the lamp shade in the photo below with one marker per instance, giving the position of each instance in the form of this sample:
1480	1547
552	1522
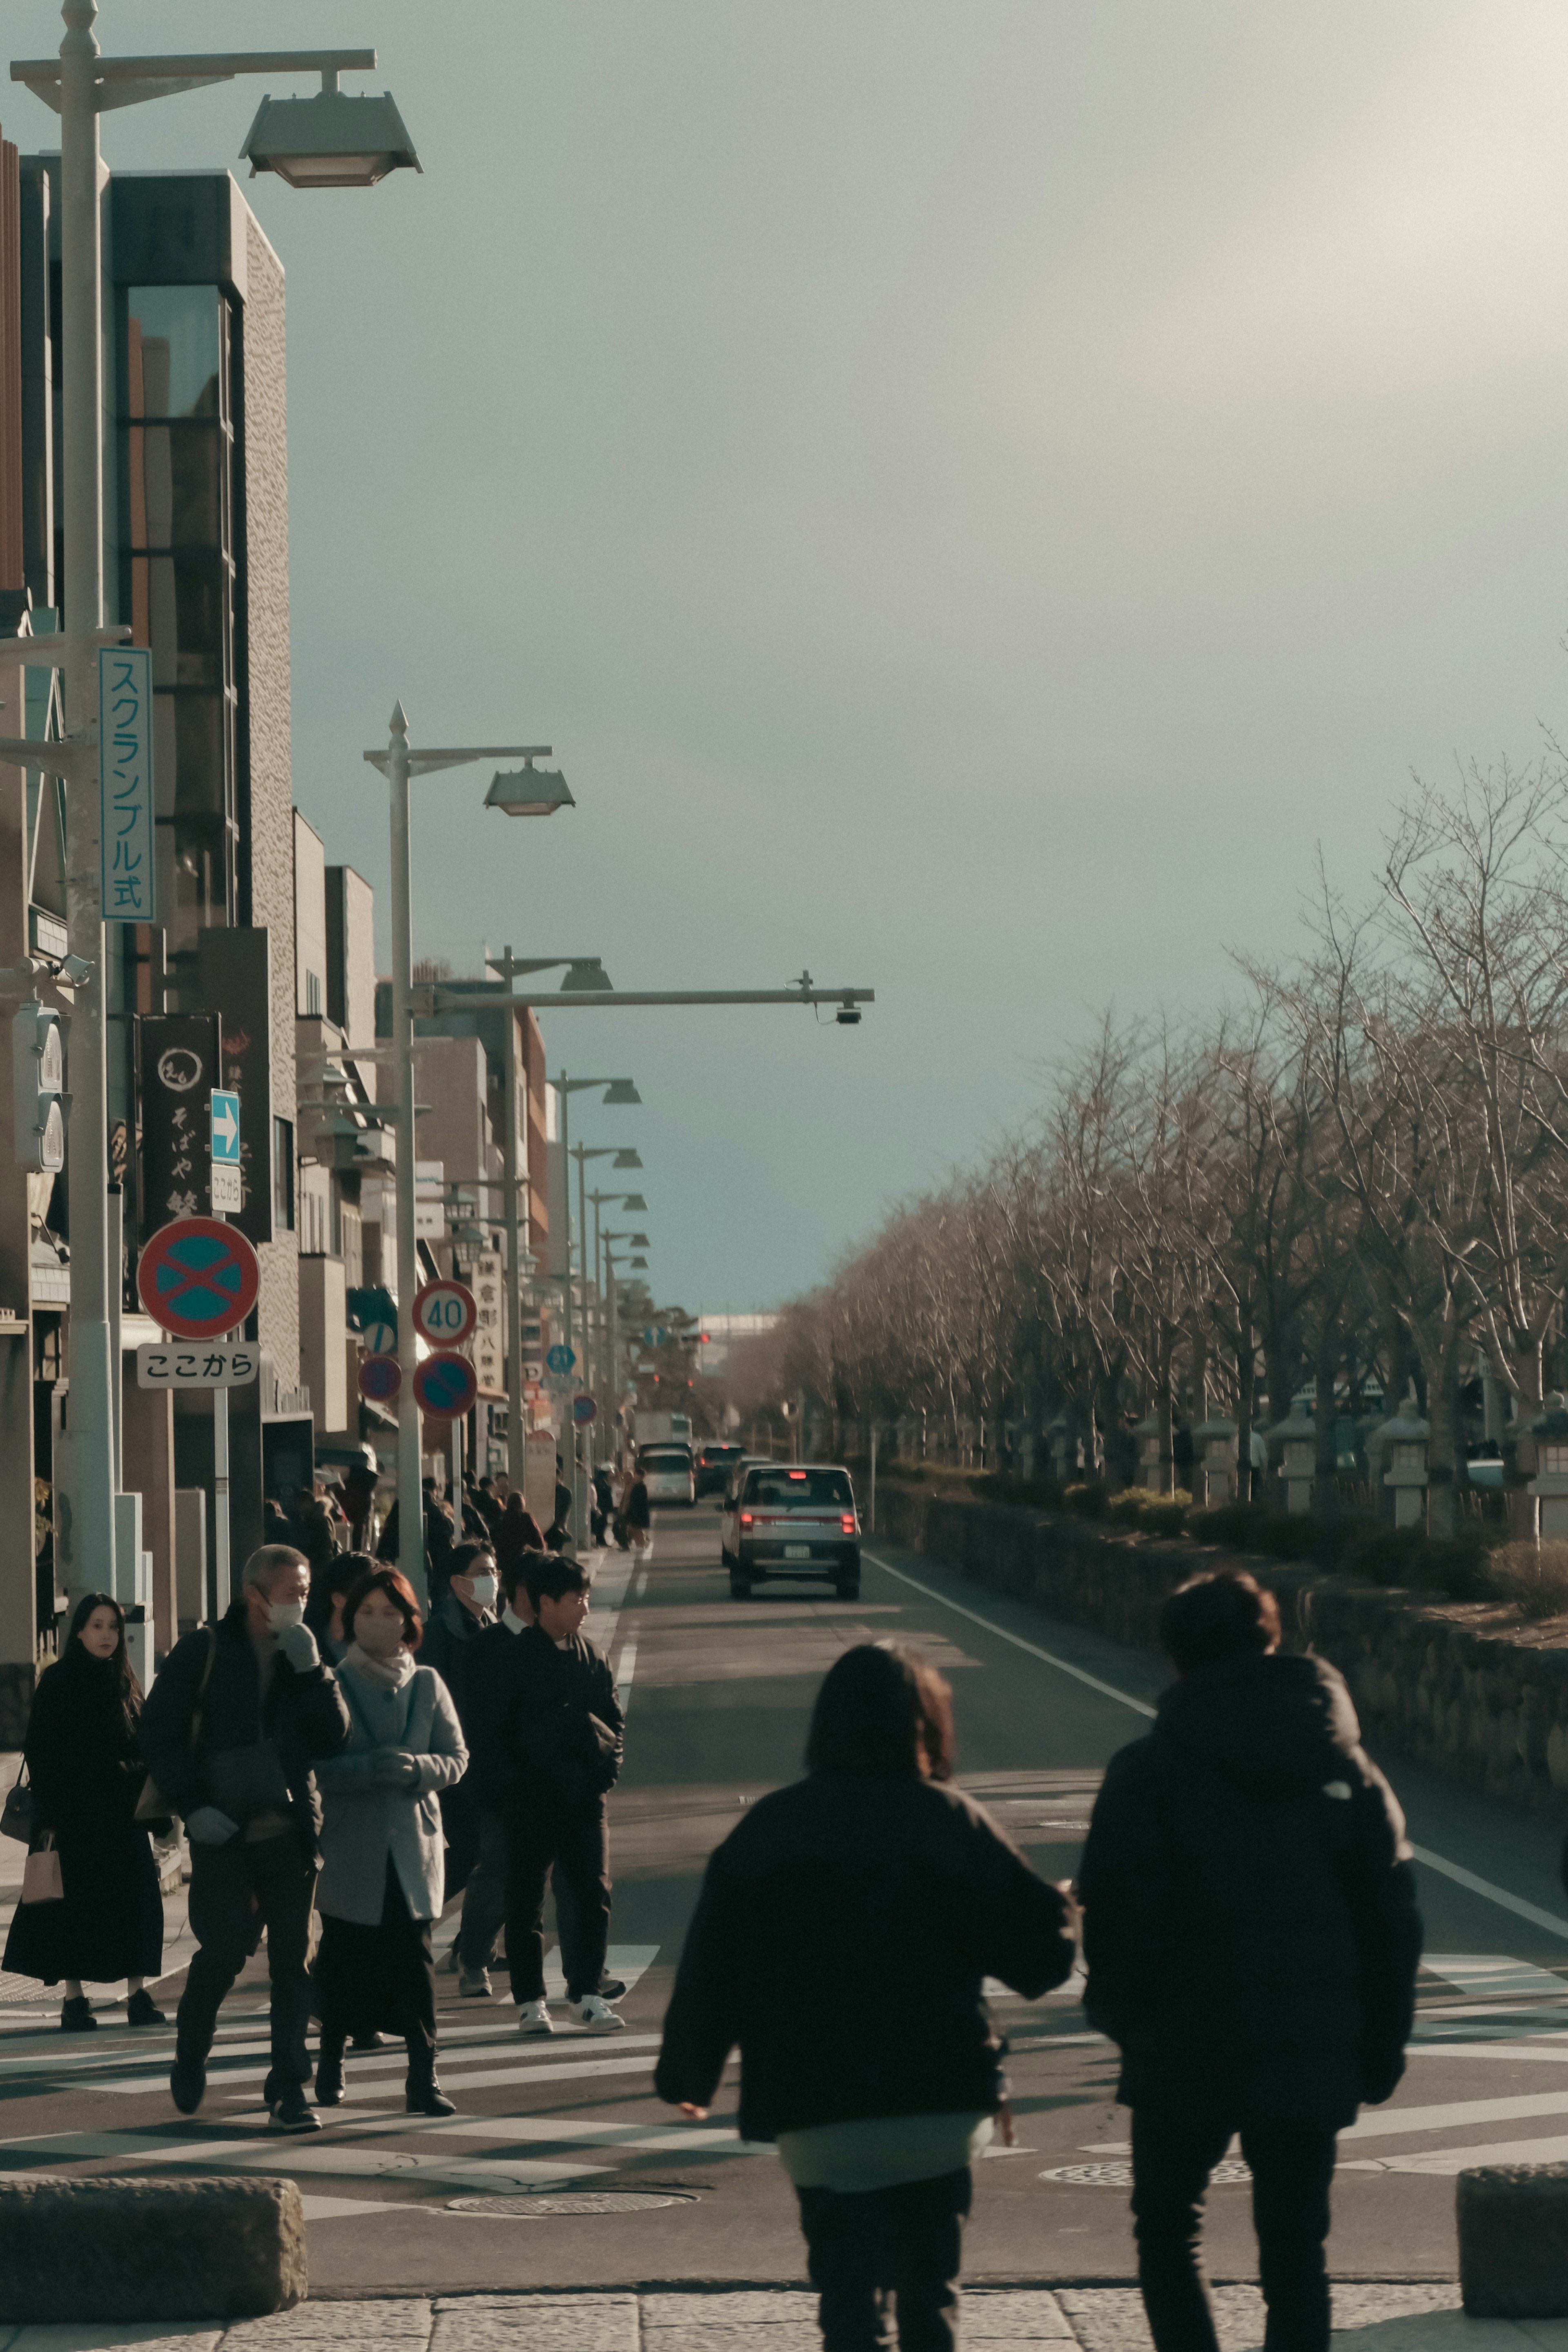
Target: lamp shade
628	1160
636	1263
330	140
634	1205
581	976
621	1091
529	792
639	1241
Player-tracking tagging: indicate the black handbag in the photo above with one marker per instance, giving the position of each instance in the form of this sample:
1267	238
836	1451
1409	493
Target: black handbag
19	1816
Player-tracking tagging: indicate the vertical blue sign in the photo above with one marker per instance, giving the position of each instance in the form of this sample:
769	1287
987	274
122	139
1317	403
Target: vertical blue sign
125	780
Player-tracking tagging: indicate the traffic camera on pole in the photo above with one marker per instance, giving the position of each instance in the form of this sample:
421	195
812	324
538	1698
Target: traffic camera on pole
38	1080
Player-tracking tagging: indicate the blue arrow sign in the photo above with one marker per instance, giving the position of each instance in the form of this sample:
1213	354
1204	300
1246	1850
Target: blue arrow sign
226	1128
561	1359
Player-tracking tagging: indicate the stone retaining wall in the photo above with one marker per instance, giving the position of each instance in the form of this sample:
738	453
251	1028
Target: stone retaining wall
1437	1681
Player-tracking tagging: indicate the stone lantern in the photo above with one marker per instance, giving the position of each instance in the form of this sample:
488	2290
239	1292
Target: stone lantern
1214	1444
1549	1483
1404	1442
1298	1441
1147	1434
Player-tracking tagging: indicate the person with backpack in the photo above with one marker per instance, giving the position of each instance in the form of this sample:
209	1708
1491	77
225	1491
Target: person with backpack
562	1737
1253	1939
231	1731
873	1870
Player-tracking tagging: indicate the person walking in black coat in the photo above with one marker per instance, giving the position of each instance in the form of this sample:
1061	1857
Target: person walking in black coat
870	1870
458	1620
563	1744
1252	1940
234	1722
87	1771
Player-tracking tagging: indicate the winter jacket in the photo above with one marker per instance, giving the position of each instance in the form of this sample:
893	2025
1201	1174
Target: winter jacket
897	1889
1249	1907
366	1823
634	1510
302	1714
490	1667
563	1723
450	1636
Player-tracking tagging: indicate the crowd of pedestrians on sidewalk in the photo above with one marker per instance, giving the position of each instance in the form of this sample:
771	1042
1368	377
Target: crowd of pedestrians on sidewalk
1245	1904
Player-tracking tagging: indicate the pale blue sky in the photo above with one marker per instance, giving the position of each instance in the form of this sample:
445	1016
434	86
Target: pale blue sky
973	493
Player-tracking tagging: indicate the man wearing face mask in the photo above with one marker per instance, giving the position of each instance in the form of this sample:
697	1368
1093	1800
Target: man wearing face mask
464	1610
231	1729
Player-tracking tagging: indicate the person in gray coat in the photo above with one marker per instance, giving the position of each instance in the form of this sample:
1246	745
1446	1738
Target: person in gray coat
382	1874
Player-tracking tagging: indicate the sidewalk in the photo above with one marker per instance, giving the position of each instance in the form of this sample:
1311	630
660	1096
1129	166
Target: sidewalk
1382	2318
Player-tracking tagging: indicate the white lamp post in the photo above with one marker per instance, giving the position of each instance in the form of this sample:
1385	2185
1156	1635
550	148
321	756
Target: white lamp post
81	84
546	792
618	1093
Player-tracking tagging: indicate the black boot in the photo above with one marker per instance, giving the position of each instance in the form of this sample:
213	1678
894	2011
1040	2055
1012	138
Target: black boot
76	2017
426	2095
330	2071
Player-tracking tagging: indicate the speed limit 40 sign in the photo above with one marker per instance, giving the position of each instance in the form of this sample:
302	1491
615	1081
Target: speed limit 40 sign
444	1313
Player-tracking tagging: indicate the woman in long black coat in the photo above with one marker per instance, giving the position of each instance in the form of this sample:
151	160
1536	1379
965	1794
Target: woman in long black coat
87	1773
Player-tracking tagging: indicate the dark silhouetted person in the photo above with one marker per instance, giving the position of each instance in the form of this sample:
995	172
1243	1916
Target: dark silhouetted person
1253	1939
870	1871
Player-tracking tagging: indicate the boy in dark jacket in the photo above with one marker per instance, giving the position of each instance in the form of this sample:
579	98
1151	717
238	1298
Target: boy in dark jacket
230	1731
1252	1940
866	1870
563	1748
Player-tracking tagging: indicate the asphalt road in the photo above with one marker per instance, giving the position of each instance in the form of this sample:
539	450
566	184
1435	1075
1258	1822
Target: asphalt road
718	1693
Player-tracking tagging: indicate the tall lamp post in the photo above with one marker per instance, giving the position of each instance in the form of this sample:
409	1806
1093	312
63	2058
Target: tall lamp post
582	1154
334	140
619	1092
638	1241
636	1206
528	791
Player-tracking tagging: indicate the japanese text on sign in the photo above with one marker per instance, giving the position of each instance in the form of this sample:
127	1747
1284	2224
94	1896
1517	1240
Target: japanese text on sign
125	782
195	1367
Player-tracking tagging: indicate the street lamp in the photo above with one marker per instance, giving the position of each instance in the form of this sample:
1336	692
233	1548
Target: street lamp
399	764
81	83
635	1205
619	1092
330	140
637	1241
582	1154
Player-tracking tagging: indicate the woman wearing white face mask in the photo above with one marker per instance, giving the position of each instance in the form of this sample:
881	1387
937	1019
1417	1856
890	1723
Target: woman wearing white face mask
466	1610
382	1879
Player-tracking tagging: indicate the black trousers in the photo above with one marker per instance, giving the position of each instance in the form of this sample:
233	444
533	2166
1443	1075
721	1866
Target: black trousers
485	1896
573	1842
905	2243
237	1890
1173	2152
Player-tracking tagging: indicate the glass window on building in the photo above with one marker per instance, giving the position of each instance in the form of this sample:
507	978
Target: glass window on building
177	586
283	1175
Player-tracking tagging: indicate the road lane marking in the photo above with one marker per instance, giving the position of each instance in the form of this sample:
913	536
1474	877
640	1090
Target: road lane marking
1497	1978
1497	1894
624	1672
1106	1690
1386	2123
493	2077
1467	1879
1447	2161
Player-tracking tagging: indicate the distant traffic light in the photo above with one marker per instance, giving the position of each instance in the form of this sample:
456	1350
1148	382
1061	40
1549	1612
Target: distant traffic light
37	1082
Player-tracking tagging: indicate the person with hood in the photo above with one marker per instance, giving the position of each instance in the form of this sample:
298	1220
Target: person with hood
1253	1939
873	1870
517	1533
85	1765
232	1726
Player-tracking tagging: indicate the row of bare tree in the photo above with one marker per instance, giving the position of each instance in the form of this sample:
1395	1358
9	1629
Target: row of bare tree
1357	1173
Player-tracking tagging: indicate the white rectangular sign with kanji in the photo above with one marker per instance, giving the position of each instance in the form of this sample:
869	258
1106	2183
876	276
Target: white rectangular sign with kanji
193	1364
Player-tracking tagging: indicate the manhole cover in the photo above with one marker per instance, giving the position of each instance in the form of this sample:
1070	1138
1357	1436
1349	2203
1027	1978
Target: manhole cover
543	2208
1120	2175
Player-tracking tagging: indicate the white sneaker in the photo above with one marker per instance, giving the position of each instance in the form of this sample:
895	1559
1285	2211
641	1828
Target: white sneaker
533	2017
596	2015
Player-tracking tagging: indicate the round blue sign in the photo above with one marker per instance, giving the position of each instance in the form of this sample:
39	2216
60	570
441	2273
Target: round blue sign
560	1359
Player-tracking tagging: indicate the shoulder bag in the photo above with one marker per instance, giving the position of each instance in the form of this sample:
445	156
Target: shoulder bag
19	1812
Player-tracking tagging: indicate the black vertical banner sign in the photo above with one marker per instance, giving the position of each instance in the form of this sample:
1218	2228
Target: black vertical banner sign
178	1064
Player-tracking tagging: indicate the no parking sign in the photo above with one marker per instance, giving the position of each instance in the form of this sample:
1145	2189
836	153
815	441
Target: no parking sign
446	1387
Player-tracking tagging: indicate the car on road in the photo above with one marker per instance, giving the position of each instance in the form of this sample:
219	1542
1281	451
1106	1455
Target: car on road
668	1471
736	1476
715	1459
792	1519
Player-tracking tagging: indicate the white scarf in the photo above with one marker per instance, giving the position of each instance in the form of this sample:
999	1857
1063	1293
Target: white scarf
382	1673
